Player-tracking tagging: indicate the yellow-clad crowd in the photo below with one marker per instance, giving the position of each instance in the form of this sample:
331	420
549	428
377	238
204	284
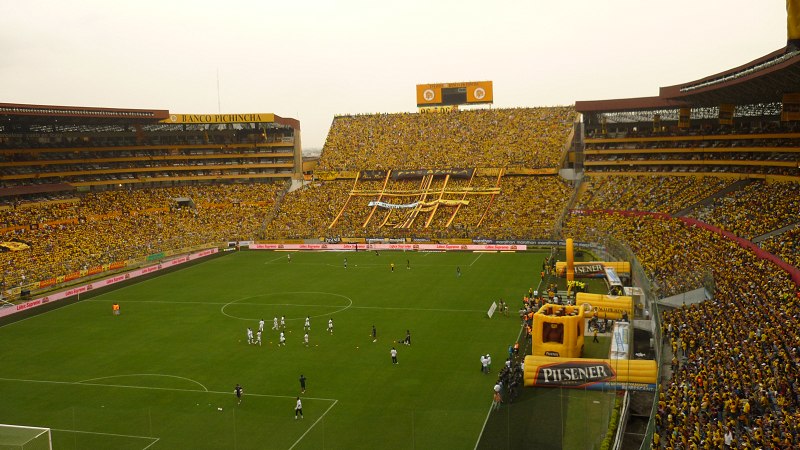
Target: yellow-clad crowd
737	371
528	137
756	209
785	245
668	194
523	208
113	226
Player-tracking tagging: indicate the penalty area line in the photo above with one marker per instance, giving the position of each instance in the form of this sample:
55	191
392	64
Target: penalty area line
313	425
155	388
154	439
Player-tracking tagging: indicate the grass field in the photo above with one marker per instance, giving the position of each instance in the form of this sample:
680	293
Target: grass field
155	376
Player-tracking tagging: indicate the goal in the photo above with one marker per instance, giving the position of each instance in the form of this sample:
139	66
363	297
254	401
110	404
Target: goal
20	437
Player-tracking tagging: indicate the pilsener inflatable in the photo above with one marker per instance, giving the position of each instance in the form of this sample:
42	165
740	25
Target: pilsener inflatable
591	269
606	306
558	331
586	373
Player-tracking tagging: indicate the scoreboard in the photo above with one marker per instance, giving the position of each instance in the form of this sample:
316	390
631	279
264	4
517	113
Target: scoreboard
466	93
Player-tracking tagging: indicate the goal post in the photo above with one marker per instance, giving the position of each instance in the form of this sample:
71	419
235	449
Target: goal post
19	437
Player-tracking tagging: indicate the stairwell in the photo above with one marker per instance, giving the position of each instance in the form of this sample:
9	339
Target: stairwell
275	208
708	200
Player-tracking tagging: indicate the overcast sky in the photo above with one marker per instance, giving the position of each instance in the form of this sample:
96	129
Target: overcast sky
311	60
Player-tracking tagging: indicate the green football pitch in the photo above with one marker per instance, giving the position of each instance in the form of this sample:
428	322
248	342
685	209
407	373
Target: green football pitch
161	375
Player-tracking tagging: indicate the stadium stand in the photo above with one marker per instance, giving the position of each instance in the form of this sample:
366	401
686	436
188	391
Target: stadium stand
669	177
750	325
529	137
82	146
116	226
668	194
758	208
786	246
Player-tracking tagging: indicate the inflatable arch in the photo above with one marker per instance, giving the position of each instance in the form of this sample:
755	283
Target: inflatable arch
606	306
591	269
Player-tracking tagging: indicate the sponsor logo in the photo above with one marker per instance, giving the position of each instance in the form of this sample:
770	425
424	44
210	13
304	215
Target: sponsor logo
574	374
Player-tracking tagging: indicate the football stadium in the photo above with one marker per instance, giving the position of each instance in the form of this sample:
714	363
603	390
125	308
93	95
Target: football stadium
626	271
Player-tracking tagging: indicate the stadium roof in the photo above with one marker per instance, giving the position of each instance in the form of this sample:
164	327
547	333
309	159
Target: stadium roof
763	80
48	114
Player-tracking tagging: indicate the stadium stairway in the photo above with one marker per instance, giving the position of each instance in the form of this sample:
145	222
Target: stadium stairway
763	237
706	201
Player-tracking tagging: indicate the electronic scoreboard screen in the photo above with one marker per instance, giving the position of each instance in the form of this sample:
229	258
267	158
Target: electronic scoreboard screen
454	96
445	94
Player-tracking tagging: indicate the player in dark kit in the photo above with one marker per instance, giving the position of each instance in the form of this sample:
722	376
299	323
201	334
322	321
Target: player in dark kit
303	383
238	390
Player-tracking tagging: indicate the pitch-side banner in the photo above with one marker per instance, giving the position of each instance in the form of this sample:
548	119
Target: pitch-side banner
410	247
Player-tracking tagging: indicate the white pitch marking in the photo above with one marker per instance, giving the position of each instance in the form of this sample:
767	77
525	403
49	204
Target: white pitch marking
151	388
313	424
146	375
154	439
476	259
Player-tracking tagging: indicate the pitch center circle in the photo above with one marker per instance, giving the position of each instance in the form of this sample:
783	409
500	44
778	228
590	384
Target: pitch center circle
290	305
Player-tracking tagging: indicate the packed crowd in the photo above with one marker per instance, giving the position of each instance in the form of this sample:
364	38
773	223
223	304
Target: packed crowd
785	245
668	194
679	168
739	358
150	135
756	209
526	207
529	208
706	131
113	226
529	137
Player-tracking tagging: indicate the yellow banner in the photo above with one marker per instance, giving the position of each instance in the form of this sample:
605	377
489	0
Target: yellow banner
14	246
221	118
528	171
438	109
487	172
329	175
444	202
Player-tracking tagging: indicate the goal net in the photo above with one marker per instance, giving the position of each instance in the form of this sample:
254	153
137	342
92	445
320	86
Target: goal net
19	437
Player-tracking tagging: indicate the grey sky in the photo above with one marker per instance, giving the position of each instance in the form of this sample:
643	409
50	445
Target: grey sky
313	59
